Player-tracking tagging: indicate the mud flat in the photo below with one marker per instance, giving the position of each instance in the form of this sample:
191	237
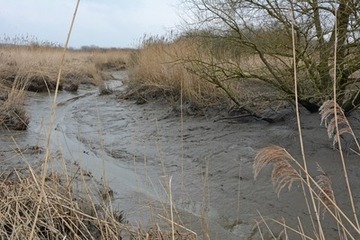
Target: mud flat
205	161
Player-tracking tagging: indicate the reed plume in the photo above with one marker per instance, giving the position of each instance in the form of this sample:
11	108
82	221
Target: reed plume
327	113
324	183
283	174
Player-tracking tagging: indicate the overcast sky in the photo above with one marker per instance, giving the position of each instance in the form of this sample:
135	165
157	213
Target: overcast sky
105	23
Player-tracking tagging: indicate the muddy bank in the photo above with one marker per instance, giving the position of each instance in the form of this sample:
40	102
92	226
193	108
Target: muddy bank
139	148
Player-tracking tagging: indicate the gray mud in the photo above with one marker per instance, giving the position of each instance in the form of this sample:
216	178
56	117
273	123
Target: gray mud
140	148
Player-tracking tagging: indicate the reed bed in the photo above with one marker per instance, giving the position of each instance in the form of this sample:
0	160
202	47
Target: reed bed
35	68
61	215
41	64
159	69
187	71
12	111
68	205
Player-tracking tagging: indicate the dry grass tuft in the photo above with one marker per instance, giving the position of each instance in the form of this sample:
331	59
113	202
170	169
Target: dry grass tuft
111	59
69	206
283	174
61	215
12	112
187	70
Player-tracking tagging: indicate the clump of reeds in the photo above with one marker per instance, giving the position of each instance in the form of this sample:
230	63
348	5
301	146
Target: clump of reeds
12	111
35	68
286	171
60	214
55	207
157	70
111	59
39	68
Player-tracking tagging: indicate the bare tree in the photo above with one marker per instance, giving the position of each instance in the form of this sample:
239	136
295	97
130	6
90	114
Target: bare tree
263	28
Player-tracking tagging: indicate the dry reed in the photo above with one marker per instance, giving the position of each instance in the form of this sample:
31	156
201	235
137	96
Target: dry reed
64	214
327	113
324	183
337	125
157	70
12	112
284	174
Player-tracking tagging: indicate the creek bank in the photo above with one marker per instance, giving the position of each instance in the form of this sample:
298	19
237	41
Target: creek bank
208	158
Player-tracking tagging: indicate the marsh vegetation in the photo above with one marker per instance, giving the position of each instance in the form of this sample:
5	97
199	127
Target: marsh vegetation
182	120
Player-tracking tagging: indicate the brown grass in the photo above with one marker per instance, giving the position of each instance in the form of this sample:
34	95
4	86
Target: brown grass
61	205
36	69
320	190
113	59
12	112
157	69
42	64
63	214
186	70
73	207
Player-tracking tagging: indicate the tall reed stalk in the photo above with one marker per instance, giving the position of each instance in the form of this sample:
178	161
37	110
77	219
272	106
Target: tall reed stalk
43	196
320	190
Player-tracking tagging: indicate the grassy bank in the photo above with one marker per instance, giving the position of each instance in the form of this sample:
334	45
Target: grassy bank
40	203
188	68
66	204
158	69
35	68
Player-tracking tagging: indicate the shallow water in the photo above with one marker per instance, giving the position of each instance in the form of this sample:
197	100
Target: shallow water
141	148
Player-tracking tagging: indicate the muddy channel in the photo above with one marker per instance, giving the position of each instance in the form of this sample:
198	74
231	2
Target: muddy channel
206	160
